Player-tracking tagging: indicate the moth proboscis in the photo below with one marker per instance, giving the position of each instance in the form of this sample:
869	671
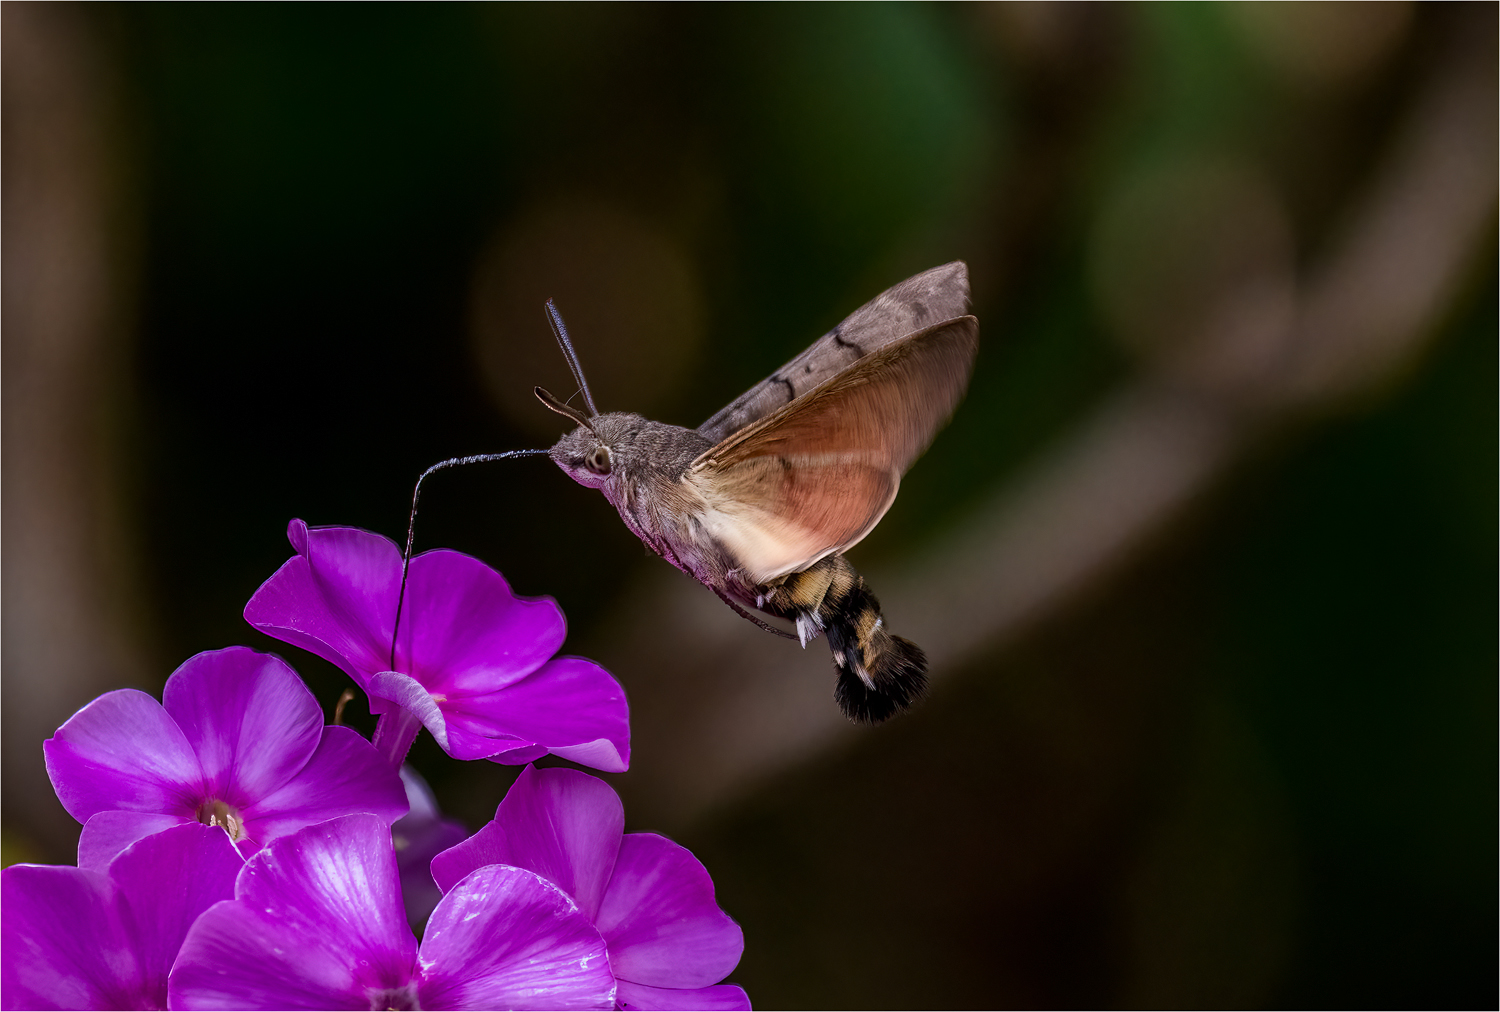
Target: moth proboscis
760	502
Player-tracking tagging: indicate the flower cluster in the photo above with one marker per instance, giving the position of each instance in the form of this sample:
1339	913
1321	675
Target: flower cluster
237	853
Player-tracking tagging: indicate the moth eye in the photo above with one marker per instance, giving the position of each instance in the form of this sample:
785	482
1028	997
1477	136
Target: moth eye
598	460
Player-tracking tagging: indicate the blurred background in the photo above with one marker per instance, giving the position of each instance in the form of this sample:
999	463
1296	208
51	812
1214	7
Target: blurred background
1205	564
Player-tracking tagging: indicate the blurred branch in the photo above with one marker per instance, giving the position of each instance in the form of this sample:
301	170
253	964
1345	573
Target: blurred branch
67	619
724	705
1370	307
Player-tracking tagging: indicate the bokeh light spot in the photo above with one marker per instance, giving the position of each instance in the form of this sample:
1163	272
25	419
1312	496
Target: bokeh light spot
626	290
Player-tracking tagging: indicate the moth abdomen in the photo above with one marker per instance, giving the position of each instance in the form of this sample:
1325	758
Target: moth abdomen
879	675
897	679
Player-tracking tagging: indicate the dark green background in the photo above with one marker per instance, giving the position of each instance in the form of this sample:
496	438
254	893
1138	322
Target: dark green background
1255	766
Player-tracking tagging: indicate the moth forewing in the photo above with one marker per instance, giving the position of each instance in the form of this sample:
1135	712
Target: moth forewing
892	401
816	476
916	304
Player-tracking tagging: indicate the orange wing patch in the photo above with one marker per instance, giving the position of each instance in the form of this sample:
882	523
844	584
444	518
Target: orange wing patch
817	475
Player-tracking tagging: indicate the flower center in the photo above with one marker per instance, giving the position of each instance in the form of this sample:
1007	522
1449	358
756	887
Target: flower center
214	812
393	999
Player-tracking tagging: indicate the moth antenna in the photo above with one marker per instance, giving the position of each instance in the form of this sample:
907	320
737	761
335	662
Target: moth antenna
563	408
560	331
411	523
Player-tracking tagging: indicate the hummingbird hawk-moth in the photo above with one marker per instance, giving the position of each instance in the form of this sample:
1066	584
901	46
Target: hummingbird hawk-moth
760	502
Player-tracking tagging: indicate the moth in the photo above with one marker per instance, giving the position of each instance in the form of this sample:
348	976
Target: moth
760	502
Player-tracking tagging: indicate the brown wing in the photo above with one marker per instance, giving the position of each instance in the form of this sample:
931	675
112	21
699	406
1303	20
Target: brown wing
931	297
815	476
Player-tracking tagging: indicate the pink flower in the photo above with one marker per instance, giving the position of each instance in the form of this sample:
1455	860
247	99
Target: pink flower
474	663
237	741
651	901
316	922
78	938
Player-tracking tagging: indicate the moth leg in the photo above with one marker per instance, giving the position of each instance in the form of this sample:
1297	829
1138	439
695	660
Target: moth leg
663	548
799	596
746	615
807	627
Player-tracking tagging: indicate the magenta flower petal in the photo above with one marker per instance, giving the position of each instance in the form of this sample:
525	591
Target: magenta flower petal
410	694
462	628
64	947
650	899
660	919
81	939
336	597
419	836
268	767
522	753
122	751
345	776
105	835
506	938
463	742
571	705
488	846
249	718
727	997
560	823
168	881
466	632
478	652
316	923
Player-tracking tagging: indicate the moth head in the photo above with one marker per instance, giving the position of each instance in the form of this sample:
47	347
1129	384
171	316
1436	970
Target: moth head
589	453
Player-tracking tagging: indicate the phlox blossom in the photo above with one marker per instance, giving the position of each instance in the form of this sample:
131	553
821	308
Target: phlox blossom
651	900
317	923
473	662
419	836
79	938
237	741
